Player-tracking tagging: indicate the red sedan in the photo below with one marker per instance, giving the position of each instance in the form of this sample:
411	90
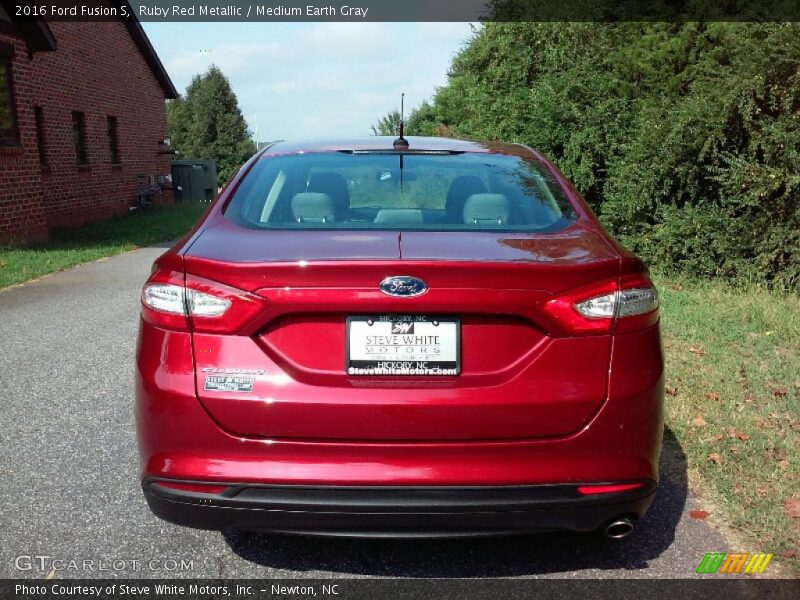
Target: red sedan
370	338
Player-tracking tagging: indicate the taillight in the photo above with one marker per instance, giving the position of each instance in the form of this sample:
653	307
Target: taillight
619	306
172	302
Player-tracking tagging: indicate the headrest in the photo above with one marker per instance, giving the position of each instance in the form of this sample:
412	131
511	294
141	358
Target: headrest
312	207
333	184
460	189
486	209
399	216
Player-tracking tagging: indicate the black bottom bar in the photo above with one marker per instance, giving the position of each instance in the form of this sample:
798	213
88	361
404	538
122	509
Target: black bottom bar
397	511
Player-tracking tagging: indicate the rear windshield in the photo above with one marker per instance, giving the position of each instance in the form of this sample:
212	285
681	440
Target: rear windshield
387	190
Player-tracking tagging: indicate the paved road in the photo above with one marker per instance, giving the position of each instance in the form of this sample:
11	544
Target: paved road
68	468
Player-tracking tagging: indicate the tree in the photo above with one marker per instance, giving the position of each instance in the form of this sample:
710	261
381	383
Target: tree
389	124
207	123
423	120
684	137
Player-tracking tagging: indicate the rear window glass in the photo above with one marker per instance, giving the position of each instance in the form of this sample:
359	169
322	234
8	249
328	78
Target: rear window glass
387	190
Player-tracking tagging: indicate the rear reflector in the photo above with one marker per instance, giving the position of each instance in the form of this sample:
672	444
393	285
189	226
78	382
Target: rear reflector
587	490
200	488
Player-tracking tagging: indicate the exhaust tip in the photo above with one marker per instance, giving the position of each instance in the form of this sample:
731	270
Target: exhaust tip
619	528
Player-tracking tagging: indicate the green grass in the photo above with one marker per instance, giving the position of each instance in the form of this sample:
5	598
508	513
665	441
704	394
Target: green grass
733	402
69	247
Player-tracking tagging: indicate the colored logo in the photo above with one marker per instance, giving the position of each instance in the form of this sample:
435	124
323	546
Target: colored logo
734	563
403	285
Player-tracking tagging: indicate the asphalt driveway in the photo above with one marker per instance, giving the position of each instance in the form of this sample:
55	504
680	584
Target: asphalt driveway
70	495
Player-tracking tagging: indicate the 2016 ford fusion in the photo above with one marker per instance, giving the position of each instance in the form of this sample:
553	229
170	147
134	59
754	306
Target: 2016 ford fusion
366	338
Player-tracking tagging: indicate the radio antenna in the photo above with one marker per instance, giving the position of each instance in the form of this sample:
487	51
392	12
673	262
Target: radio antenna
401	143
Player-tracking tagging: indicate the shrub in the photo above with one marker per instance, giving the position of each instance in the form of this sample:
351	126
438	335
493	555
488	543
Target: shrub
683	137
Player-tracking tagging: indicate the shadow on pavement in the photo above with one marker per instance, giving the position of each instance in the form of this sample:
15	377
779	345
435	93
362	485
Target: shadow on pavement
491	557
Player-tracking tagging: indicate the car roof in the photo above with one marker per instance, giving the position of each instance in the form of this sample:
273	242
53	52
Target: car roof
384	143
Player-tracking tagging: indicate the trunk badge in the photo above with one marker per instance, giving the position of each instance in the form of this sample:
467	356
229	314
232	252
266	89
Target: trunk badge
403	285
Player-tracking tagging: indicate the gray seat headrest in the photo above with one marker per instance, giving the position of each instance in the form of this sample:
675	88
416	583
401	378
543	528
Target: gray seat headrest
313	207
335	185
399	216
486	209
460	189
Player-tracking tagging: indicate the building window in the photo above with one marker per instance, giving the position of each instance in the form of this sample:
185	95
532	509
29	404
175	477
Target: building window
113	140
38	114
9	134
79	137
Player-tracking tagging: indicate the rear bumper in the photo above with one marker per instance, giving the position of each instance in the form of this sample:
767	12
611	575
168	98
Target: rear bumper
424	511
180	441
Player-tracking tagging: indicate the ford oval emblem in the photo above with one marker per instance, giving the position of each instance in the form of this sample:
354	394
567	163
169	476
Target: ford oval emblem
402	285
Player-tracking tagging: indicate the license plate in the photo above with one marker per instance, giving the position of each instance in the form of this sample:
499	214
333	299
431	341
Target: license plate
403	345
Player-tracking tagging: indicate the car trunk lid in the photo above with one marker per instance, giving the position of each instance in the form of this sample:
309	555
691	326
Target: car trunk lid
518	379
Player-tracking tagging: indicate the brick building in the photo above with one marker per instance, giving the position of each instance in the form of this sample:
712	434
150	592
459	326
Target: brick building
82	122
